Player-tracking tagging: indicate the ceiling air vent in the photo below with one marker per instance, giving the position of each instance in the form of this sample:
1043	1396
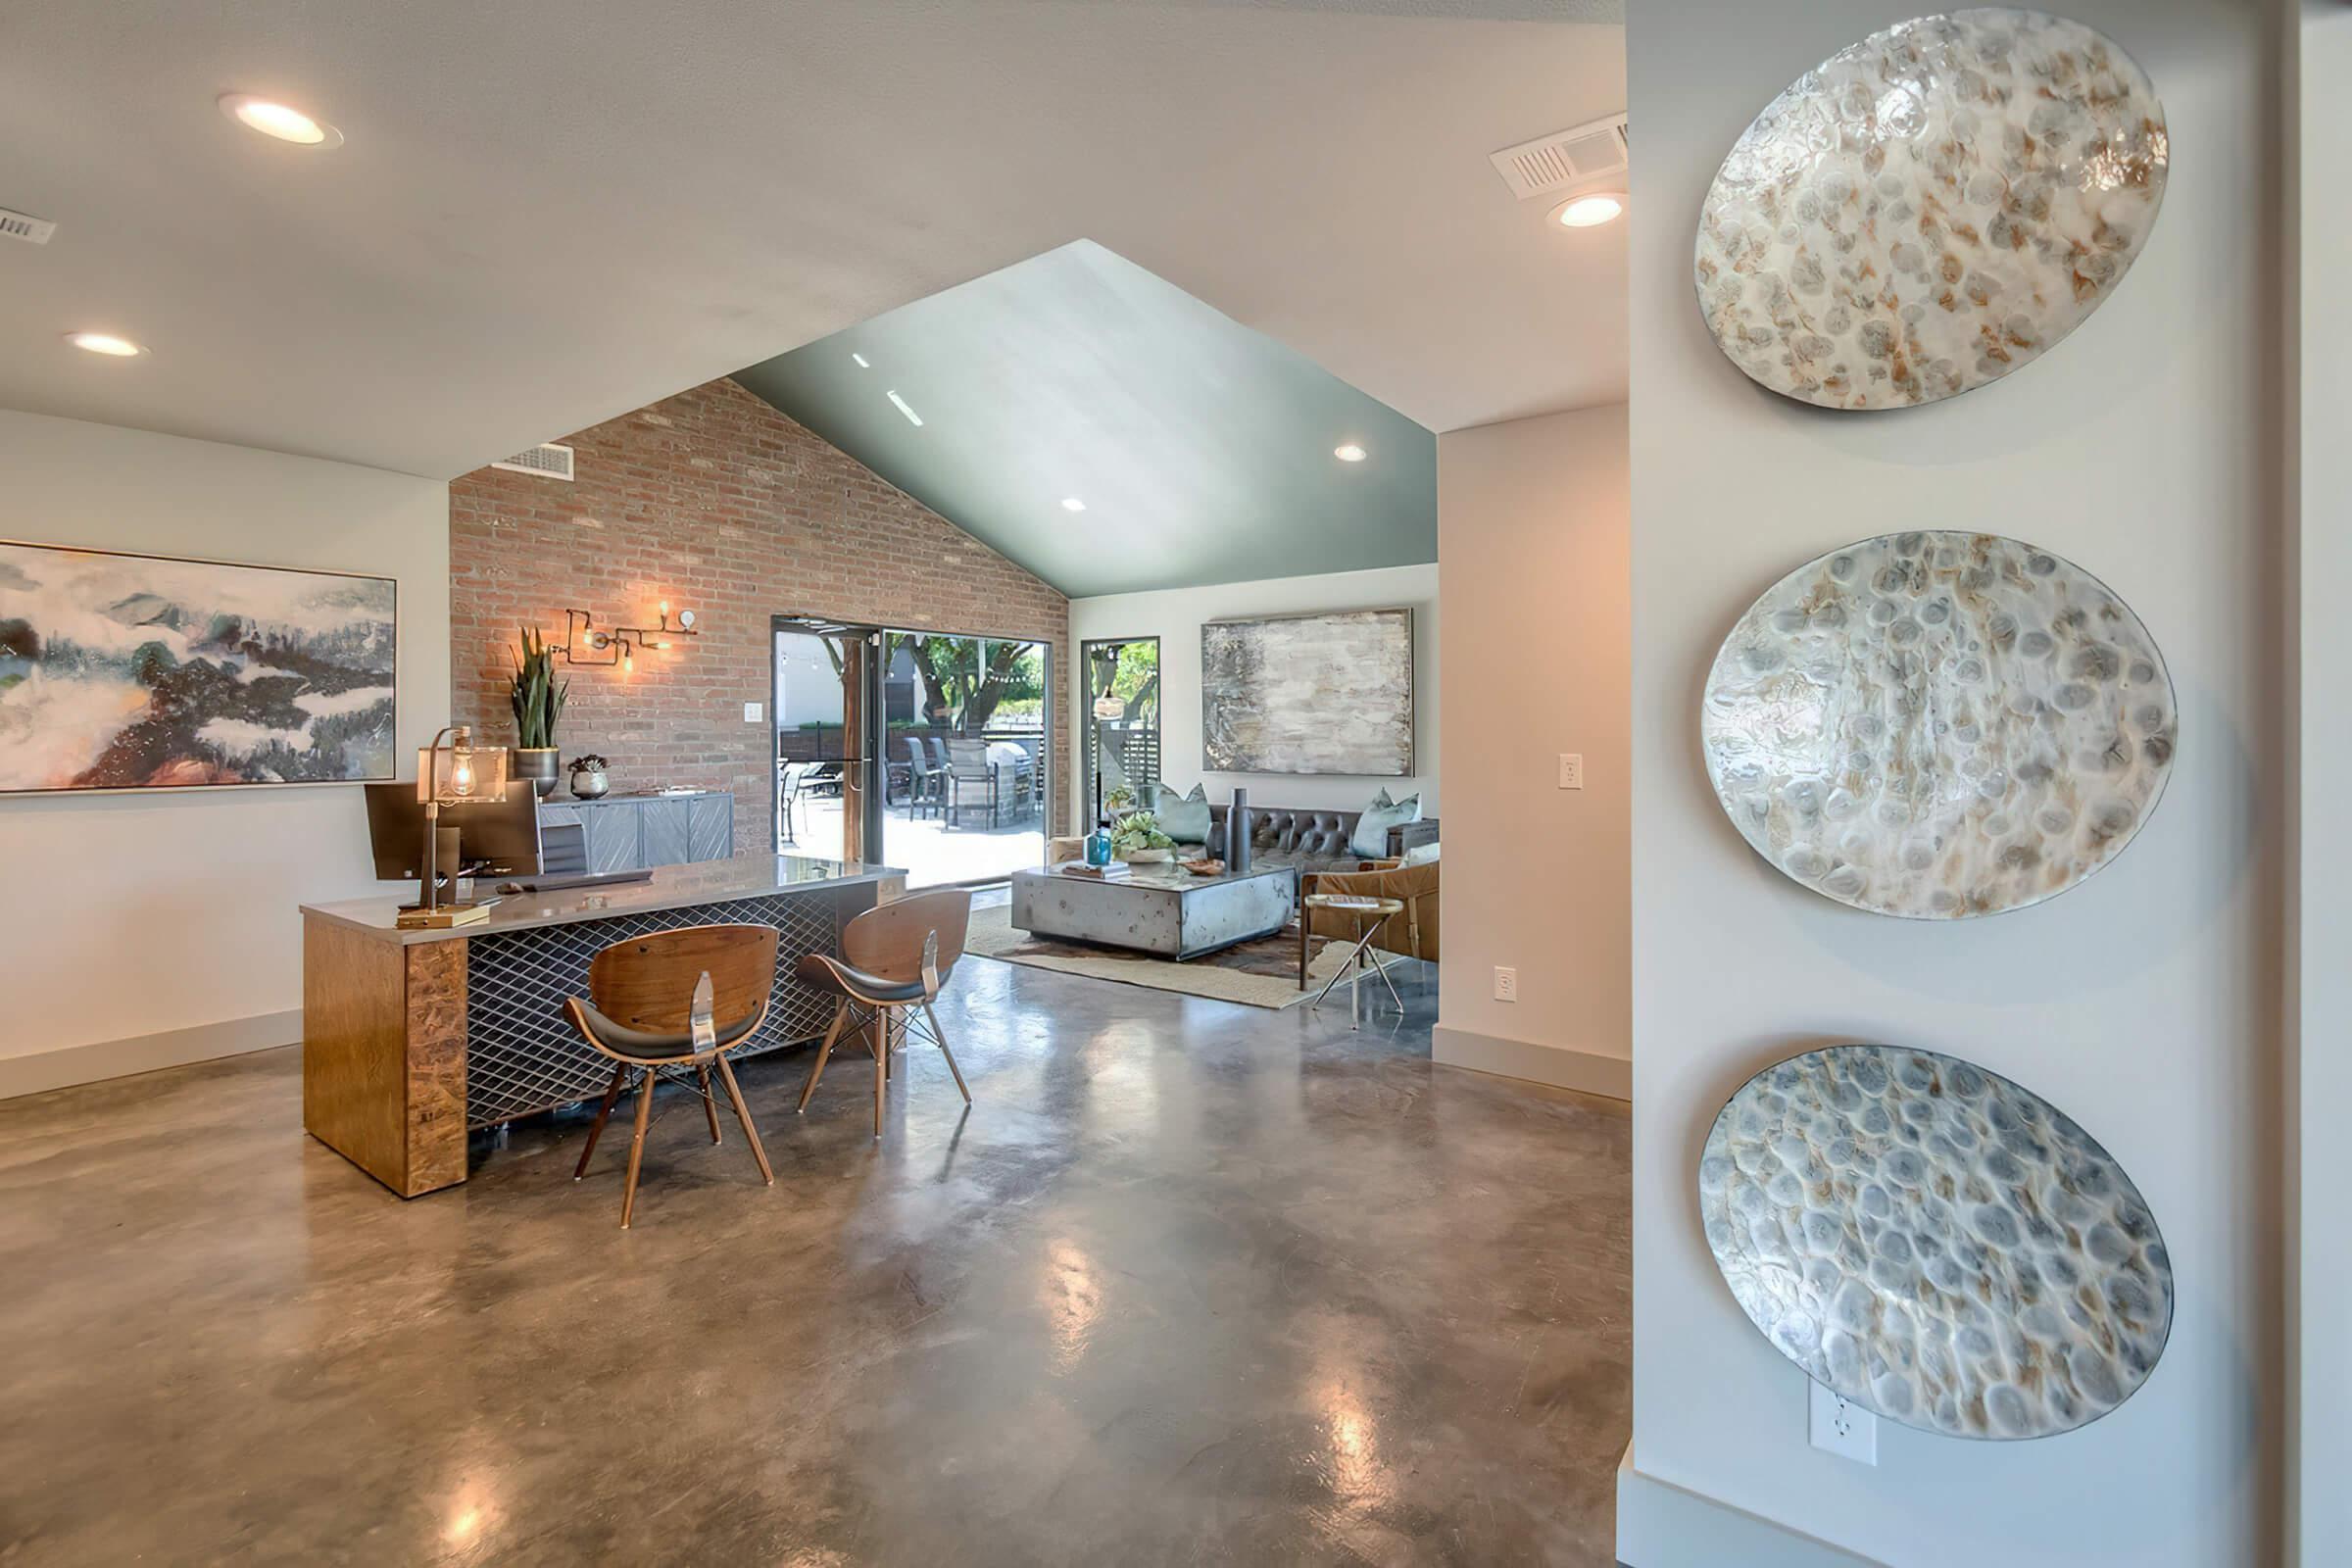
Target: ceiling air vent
26	226
1551	164
548	462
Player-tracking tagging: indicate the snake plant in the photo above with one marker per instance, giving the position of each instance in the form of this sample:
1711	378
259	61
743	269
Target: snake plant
537	696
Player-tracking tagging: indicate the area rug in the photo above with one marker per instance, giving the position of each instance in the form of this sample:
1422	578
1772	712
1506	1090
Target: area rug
1263	973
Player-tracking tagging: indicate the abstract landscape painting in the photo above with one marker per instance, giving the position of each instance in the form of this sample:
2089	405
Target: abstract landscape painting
1325	693
124	671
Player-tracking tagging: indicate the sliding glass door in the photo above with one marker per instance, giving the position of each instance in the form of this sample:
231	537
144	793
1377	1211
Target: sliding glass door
824	758
1122	721
966	755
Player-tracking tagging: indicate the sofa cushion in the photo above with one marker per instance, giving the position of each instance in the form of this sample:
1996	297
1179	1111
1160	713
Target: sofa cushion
1369	839
1183	817
1421	854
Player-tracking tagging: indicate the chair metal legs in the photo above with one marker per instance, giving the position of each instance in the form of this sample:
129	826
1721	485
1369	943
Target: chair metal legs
824	1052
710	1105
883	1030
743	1115
645	1117
603	1113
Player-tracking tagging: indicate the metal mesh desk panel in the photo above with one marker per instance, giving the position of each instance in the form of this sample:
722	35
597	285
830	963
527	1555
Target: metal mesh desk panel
521	1055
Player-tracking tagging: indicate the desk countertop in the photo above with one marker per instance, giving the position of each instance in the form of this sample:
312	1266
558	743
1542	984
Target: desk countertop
673	887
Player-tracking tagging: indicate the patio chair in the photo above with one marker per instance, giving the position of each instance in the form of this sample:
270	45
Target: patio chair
970	771
923	782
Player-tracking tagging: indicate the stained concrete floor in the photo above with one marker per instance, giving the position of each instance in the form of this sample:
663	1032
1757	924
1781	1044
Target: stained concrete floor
1192	1283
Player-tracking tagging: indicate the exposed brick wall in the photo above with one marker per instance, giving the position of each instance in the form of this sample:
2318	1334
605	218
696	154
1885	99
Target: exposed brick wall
712	501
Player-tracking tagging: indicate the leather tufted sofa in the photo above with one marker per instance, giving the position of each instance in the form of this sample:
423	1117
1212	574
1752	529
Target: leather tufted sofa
1311	841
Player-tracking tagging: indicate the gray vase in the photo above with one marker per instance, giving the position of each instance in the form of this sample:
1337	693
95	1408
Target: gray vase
1237	833
589	783
538	764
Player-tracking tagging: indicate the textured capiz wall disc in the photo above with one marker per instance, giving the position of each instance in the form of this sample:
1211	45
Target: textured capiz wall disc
1932	207
1938	724
1935	1242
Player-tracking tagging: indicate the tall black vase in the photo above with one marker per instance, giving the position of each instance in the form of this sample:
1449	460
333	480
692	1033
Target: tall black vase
1237	833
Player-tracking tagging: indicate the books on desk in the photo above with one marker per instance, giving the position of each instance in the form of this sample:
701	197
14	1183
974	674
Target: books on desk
1115	871
444	918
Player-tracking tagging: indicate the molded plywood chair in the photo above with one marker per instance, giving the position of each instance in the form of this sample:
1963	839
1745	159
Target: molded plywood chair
893	959
675	998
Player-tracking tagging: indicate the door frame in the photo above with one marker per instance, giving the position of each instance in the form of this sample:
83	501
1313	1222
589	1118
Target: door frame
859	742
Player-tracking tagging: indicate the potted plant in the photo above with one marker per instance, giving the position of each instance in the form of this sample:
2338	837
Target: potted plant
588	781
538	700
1137	838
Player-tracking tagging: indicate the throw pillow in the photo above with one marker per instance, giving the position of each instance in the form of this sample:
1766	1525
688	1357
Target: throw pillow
1421	855
1183	817
1370	840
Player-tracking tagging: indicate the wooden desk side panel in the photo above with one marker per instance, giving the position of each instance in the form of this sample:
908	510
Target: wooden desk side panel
383	1055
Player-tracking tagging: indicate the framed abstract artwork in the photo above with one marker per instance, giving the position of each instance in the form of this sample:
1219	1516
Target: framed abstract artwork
1931	209
124	671
1324	692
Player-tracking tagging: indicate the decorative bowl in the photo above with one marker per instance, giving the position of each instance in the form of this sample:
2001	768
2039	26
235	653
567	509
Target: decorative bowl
1206	867
1149	856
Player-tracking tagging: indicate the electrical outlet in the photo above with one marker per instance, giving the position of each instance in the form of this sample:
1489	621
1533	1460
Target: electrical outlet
752	712
1507	984
1572	770
1842	1427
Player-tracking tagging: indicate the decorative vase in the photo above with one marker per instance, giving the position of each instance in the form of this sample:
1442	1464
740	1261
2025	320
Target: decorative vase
1237	833
538	764
1098	847
589	783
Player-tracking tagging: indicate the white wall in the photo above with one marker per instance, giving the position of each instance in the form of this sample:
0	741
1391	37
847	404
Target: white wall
2143	1003
2320	1157
1532	537
172	914
1174	615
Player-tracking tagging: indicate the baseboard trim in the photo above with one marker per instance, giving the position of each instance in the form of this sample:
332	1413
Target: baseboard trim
101	1059
1660	1525
1561	1067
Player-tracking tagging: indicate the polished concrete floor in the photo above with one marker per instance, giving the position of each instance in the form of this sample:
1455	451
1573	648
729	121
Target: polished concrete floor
1191	1283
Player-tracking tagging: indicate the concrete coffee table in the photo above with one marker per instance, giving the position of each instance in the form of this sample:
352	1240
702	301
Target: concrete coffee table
1159	910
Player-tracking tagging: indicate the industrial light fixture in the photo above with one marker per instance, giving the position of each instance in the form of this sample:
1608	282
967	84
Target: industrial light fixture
1348	452
584	641
1072	503
107	343
1589	209
913	418
278	120
861	362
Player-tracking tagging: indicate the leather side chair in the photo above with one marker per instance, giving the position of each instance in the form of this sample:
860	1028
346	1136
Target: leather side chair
893	959
677	999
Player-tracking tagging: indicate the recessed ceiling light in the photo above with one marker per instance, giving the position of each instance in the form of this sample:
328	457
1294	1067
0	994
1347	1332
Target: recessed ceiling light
120	348
1349	453
278	120
1072	503
1589	209
913	418
860	359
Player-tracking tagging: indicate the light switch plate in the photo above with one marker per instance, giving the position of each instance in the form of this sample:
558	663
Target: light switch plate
1572	770
752	712
1507	984
1843	1427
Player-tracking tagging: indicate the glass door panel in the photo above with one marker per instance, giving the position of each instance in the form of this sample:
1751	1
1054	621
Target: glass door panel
820	711
1122	722
967	756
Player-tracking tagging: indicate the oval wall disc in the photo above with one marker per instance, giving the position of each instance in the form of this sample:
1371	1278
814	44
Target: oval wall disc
1935	1242
1938	724
1932	207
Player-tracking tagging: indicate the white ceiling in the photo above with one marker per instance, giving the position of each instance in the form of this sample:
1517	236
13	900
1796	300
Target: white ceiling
548	212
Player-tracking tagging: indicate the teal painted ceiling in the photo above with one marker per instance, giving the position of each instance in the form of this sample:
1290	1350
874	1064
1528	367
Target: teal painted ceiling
1202	450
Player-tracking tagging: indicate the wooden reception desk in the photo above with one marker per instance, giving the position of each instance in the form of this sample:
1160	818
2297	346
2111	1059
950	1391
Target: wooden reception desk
412	1038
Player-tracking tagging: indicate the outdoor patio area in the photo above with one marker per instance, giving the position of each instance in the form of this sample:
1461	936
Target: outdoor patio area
929	850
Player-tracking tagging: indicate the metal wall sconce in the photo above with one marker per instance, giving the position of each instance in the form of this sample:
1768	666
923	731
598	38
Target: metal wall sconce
584	640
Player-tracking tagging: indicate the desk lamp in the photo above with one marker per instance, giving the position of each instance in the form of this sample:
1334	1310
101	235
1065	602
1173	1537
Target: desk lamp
452	775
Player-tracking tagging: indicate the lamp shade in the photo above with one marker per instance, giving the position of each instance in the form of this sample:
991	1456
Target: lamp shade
459	772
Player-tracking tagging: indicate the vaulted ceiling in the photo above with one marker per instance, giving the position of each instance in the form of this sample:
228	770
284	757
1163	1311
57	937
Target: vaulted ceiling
549	211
